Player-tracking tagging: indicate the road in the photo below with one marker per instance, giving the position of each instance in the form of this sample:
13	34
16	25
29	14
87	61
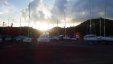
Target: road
55	54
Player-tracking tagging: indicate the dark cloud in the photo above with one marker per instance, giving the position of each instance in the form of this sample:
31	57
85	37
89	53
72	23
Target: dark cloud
35	12
85	9
76	10
59	8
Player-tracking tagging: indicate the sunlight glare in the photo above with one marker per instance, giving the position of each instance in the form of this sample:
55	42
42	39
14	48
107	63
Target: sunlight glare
42	26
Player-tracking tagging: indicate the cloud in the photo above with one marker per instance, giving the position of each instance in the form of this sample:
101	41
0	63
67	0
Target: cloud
5	7
59	8
38	11
72	10
85	9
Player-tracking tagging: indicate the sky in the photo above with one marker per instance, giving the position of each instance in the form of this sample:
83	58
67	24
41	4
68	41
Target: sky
49	12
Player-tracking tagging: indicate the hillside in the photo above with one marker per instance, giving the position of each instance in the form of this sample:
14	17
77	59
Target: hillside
15	31
84	28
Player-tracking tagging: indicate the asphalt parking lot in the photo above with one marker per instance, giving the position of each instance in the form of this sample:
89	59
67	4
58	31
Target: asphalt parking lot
55	54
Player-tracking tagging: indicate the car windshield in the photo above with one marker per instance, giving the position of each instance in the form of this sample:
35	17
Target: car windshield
56	31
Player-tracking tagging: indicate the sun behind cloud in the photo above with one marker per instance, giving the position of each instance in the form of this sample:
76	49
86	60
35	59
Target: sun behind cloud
42	26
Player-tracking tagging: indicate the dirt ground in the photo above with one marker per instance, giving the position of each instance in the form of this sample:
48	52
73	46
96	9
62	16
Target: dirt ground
55	53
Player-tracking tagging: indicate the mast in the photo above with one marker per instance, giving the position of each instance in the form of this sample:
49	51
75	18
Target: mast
3	26
100	27
57	28
8	26
65	24
29	21
90	19
105	21
20	25
20	21
8	22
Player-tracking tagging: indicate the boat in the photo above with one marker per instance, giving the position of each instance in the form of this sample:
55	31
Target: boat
19	38
90	37
54	38
44	37
27	39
